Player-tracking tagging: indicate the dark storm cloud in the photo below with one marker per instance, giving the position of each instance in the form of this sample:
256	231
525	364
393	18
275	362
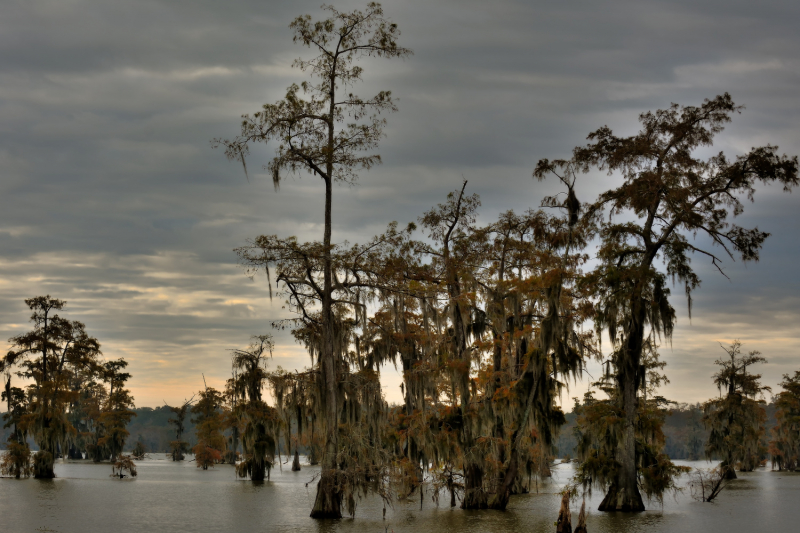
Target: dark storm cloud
113	199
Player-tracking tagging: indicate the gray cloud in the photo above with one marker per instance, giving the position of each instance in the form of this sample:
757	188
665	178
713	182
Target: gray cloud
112	199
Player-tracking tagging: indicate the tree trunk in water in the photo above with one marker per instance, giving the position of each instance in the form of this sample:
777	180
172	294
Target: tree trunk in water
623	494
452	489
230	456
43	465
474	495
564	523
729	472
296	462
581	527
74	453
258	471
499	501
328	503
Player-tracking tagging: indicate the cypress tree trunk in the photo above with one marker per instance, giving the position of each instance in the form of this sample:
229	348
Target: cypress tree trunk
729	472
581	527
474	495
231	454
564	522
258	472
499	501
296	462
451	487
43	465
328	503
623	494
74	453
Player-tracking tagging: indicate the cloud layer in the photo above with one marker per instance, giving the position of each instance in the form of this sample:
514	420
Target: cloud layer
112	199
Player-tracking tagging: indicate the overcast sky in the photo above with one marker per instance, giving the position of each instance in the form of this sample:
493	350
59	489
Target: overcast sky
111	197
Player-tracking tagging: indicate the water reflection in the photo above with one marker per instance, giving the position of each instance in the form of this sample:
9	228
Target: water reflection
169	496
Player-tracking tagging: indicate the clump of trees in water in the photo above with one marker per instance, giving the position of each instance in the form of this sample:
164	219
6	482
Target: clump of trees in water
123	464
76	403
784	448
209	428
139	451
736	419
179	447
260	421
486	321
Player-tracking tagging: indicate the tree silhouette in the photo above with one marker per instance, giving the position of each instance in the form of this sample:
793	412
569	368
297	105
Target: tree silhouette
668	195
736	419
325	134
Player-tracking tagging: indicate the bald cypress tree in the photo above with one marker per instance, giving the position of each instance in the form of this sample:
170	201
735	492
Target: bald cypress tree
261	421
736	419
668	194
323	130
785	444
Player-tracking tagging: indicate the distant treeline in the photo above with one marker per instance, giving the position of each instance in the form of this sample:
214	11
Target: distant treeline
683	429
150	426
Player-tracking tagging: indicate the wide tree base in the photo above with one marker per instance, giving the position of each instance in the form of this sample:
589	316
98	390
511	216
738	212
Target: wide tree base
728	471
498	502
296	462
328	503
474	496
564	522
43	465
623	501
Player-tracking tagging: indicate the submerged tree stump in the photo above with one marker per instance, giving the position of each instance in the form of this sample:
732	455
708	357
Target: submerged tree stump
625	499
296	462
581	527
564	523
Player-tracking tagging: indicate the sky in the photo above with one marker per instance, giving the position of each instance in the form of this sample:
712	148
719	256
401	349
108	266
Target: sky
112	198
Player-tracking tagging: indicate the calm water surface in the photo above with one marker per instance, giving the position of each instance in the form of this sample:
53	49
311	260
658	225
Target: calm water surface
178	497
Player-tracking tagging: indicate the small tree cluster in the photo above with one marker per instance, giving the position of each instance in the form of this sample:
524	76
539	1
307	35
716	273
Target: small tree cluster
785	444
736	419
209	428
179	447
123	464
66	409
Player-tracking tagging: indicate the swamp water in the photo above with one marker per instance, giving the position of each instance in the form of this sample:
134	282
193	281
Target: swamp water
178	497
